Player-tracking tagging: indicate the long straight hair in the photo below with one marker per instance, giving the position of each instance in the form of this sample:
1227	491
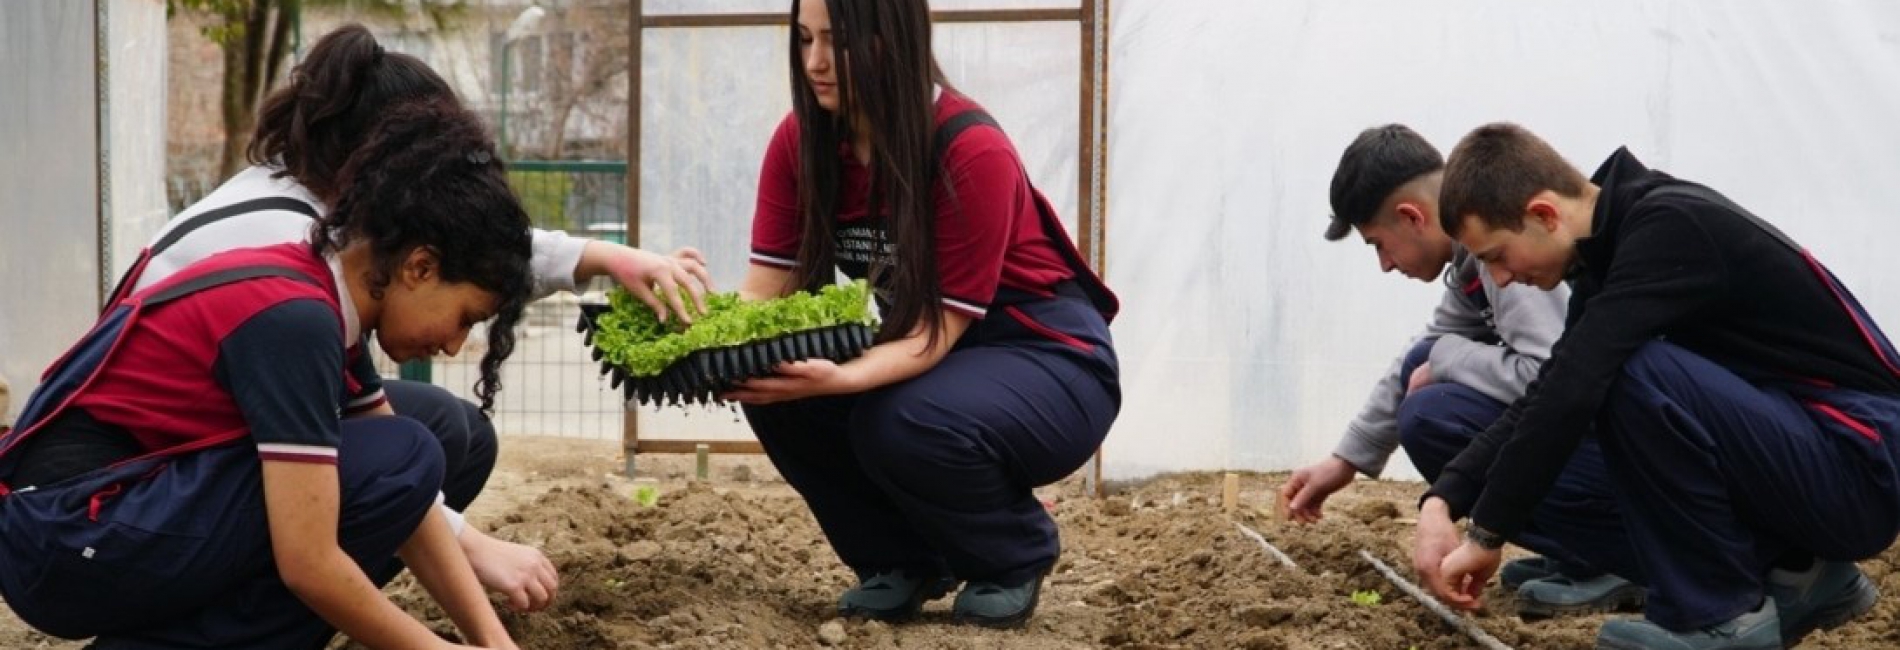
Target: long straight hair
886	71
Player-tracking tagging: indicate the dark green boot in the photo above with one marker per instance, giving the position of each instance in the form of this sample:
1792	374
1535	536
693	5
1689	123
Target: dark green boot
1563	595
1823	597
1756	630
989	604
1517	572
892	596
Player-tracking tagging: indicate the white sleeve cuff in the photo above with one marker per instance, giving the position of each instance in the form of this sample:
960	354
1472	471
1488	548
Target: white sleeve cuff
457	522
556	255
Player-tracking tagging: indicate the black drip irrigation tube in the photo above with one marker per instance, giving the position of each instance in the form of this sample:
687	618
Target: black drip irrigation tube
700	377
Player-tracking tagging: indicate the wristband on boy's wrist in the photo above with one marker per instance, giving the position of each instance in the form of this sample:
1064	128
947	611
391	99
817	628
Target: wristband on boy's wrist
1485	539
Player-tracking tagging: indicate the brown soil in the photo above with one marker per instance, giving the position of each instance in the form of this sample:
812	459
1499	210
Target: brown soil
737	562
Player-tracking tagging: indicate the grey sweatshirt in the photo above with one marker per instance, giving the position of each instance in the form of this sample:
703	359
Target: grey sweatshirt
1496	352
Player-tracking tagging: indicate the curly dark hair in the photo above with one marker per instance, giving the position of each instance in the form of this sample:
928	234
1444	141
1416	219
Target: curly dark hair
428	176
333	98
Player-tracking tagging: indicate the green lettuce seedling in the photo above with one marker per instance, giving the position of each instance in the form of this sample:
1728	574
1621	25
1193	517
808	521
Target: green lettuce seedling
646	496
630	336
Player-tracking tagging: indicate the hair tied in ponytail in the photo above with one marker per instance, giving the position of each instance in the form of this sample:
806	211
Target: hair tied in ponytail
480	157
376	54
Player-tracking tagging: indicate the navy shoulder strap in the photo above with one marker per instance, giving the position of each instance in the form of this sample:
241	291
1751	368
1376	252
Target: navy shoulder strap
1085	277
228	276
955	126
208	217
75	368
191	224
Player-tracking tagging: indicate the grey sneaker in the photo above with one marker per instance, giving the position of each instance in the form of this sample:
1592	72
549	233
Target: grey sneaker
989	604
1756	630
892	596
1562	595
1517	572
1825	596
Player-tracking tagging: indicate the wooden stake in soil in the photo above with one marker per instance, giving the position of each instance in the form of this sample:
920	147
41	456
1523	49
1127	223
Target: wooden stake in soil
1461	623
1230	493
1271	550
703	466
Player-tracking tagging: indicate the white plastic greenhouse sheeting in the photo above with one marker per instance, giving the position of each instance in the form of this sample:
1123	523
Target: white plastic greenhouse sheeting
713	97
1248	341
51	194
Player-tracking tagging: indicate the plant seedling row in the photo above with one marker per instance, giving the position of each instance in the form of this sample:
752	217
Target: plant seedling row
703	375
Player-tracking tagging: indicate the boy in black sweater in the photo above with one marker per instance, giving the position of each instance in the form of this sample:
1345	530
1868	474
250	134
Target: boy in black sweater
1744	400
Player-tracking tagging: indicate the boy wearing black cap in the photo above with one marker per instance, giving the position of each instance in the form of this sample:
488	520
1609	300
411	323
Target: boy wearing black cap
1480	350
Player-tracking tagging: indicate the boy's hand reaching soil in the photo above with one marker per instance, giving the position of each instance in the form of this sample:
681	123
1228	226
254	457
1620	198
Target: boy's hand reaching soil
1305	493
1437	538
1464	574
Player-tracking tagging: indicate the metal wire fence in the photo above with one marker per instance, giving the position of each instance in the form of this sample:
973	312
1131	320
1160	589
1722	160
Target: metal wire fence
550	386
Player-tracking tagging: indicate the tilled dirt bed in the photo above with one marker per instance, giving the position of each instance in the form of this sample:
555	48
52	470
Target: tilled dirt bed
737	562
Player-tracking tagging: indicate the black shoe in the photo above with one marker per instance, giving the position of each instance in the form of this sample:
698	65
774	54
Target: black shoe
893	596
989	604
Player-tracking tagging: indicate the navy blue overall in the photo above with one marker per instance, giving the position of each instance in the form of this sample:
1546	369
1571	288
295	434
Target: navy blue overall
934	475
1578	524
467	436
1721	475
172	549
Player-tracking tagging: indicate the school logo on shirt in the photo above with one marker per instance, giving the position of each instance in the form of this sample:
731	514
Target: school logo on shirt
865	242
862	244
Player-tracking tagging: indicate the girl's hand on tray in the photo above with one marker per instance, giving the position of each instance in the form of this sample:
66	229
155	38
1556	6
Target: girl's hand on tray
794	380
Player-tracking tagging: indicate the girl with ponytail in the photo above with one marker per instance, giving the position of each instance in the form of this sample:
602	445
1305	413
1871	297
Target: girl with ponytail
307	132
186	476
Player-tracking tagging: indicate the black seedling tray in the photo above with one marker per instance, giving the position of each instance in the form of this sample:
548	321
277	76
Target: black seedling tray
700	377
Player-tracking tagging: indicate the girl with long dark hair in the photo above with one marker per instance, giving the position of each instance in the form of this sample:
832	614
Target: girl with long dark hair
186	478
993	373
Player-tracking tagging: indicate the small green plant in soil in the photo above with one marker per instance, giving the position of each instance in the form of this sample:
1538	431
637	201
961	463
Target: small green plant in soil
631	337
1366	598
646	496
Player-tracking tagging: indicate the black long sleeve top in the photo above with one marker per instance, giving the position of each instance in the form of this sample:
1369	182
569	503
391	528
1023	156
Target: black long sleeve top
1682	264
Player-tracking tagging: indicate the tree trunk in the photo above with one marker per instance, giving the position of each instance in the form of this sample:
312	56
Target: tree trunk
253	62
236	111
557	131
